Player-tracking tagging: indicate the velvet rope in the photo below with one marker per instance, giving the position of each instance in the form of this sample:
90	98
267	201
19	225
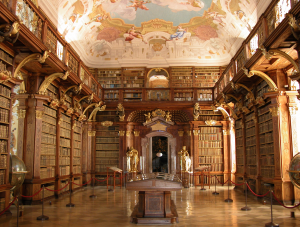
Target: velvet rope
58	189
8	206
101	180
84	183
121	177
255	193
236	183
26	196
283	204
220	181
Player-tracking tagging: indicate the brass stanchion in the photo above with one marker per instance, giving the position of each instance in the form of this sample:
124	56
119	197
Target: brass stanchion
228	199
245	208
42	217
93	185
70	204
271	224
215	192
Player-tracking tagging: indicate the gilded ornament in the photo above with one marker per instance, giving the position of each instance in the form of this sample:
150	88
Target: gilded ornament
54	104
265	77
43	58
21	114
293	110
180	133
74	125
158	112
94	112
128	133
107	123
196	132
274	111
196	112
121	133
168	117
91	133
226	132
82	117
60	120
121	112
245	110
266	53
5	76
211	122
39	114
70	111
148	117
49	80
136	133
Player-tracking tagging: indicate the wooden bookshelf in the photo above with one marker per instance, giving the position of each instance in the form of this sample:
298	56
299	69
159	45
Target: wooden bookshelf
111	95
206	76
210	115
133	77
72	63
251	157
77	148
240	156
108	78
183	95
204	95
65	146
210	152
52	92
107	148
182	77
132	95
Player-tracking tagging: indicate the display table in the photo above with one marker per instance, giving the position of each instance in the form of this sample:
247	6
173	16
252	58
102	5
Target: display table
116	171
200	172
155	205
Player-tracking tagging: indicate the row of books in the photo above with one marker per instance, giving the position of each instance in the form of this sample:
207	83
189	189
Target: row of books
183	95
102	168
249	124
4	102
48	128
251	160
63	160
264	109
238	124
77	152
266	126
51	94
65	133
77	129
107	161
111	95
49	120
66	118
238	132
3	146
211	159
251	150
108	134
250	141
267	160
4	115
251	170
48	138
261	92
206	136
49	193
210	144
2	200
240	169
76	161
267	171
77	136
212	117
50	111
2	178
76	170
239	141
47	160
266	138
64	170
3	161
249	117
214	167
210	130
53	88
107	140
240	160
105	146
4	131
65	125
48	149
107	153
210	151
183	99
3	67
205	97
65	142
250	131
6	91
212	179
265	117
76	144
64	151
6	57
266	148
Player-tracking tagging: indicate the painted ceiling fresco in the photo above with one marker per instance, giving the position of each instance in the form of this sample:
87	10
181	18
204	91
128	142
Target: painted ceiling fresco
151	33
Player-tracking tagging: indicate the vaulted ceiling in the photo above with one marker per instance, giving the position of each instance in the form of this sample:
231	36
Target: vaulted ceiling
154	33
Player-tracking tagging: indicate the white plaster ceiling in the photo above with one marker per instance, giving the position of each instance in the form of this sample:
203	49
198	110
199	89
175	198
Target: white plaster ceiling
101	30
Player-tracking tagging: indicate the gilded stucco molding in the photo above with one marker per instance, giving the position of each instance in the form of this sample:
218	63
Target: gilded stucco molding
210	122
136	133
121	133
91	133
76	89
50	79
39	114
180	133
94	112
128	133
21	114
196	132
274	111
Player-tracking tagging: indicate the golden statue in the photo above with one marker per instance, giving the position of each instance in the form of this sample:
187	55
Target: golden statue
196	111
148	117
121	111
185	159
168	116
132	160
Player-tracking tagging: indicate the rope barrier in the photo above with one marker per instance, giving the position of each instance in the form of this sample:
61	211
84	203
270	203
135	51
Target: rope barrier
102	180
283	204
220	181
26	196
236	183
8	206
255	193
58	189
84	183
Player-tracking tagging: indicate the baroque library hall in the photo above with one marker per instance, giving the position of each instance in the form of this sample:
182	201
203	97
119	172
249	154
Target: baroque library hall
125	112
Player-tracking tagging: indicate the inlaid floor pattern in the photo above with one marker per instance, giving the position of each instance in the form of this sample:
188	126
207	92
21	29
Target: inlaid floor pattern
194	207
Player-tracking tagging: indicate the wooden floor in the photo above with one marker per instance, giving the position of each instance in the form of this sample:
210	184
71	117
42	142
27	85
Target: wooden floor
194	207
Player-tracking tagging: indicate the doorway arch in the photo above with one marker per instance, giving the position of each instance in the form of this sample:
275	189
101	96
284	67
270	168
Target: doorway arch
147	151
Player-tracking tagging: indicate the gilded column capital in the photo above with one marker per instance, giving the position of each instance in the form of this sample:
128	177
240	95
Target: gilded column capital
293	110
39	114
196	132
91	133
189	133
121	133
21	113
274	111
128	133
226	132
136	133
180	133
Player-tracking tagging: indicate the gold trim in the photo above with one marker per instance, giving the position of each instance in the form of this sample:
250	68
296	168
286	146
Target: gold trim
107	123
211	122
50	79
21	114
77	88
59	120
91	133
293	110
226	132
94	112
136	133
39	114
196	132
121	133
158	70
91	105
180	133
128	133
273	52
274	111
189	133
265	77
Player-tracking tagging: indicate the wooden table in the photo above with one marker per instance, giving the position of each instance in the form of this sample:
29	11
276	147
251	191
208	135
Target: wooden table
116	171
155	205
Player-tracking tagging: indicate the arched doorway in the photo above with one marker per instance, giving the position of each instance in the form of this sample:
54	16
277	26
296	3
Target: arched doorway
160	152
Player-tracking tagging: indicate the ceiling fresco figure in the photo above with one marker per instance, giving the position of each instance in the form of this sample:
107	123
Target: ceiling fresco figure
139	4
194	3
133	33
179	33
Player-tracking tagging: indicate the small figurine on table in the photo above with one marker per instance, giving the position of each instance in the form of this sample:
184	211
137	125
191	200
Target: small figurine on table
132	160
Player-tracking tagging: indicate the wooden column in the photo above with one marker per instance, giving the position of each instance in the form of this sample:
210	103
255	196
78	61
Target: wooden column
257	138
226	150
21	123
84	152
90	152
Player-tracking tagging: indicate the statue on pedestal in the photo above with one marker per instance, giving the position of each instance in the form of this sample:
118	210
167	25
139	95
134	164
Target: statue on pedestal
196	111
132	160
186	161
148	117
